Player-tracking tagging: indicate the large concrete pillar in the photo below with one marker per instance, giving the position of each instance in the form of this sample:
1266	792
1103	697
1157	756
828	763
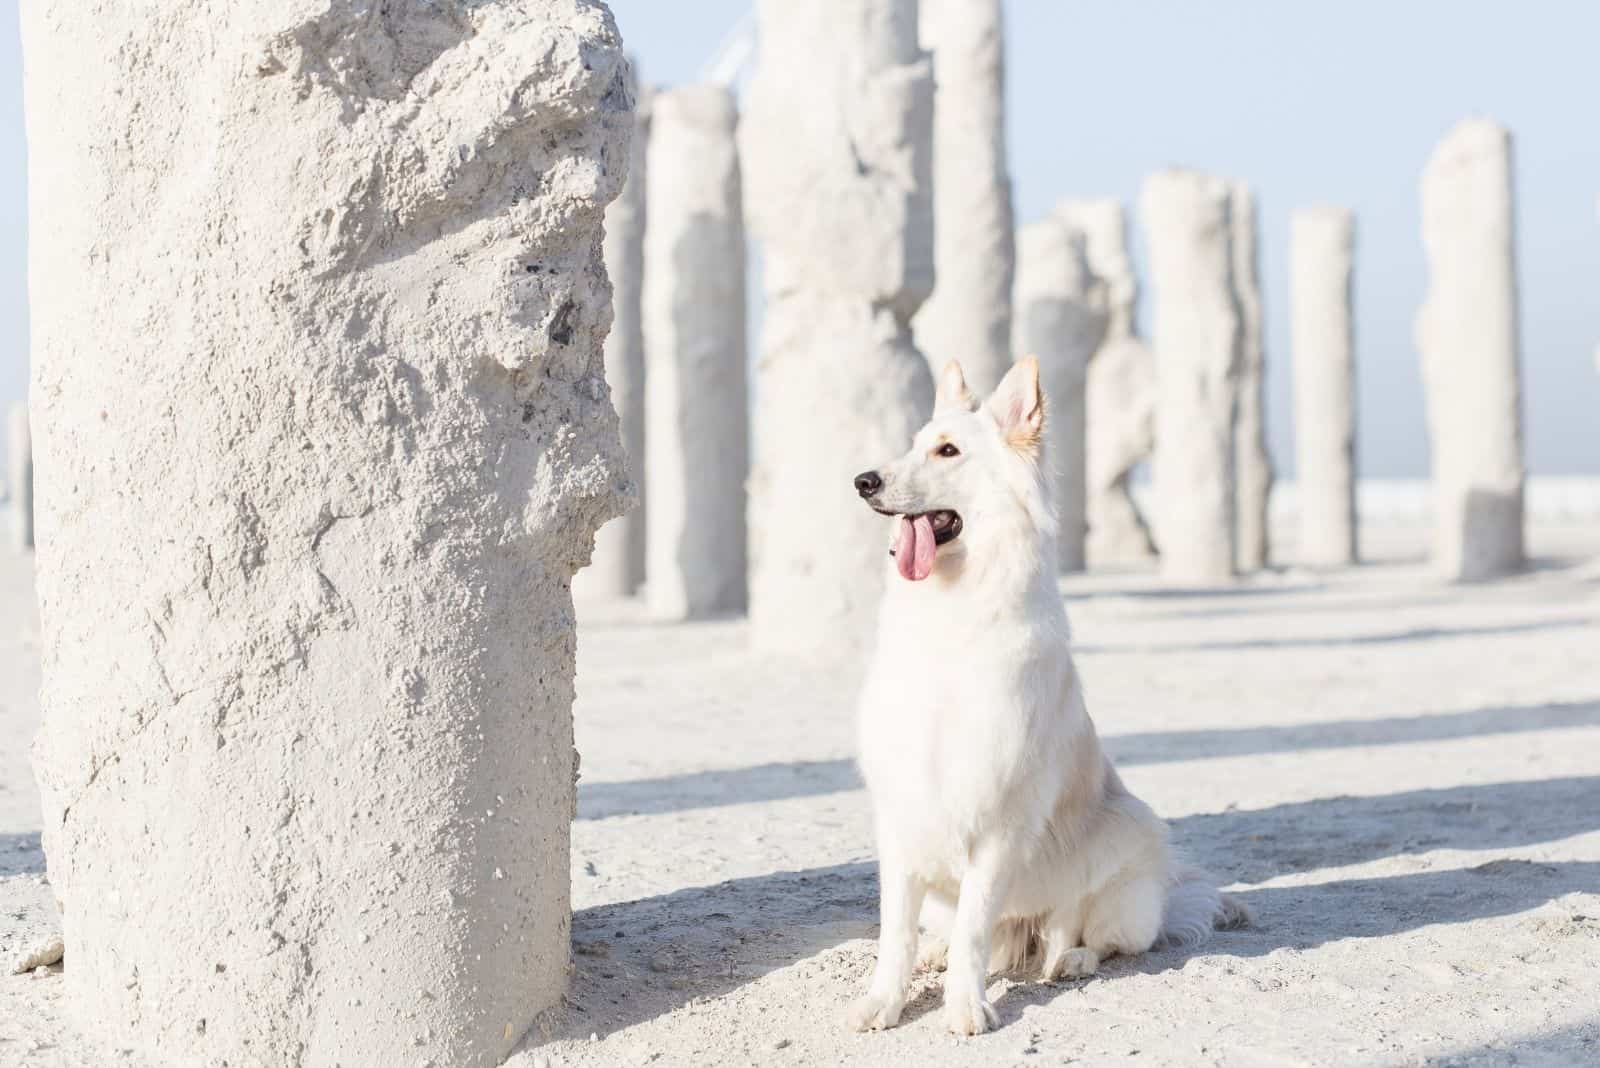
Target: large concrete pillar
19	460
1467	333
617	568
1197	328
696	422
1061	319
1253	464
1120	394
836	147
323	436
968	317
1322	251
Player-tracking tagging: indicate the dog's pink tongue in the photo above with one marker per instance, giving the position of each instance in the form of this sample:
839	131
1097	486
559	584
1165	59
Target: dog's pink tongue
913	548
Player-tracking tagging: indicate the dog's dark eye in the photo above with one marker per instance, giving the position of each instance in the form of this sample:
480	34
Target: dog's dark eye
947	450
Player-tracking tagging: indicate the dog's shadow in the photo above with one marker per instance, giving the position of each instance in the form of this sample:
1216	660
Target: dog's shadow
643	959
1022	990
638	960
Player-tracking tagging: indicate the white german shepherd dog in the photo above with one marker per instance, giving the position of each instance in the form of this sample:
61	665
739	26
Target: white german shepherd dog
1001	824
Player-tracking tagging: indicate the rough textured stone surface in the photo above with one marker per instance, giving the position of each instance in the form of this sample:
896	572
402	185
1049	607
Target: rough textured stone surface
19	459
1121	392
836	148
1197	330
1322	260
697	422
322	436
1467	333
1252	463
618	565
1061	318
968	317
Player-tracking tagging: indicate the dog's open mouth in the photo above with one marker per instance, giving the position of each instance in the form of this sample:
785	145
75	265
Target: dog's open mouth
917	538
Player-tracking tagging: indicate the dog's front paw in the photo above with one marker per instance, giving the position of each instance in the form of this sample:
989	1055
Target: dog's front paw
875	1012
967	1010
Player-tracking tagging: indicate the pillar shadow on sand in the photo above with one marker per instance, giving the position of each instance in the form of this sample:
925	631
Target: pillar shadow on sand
811	778
641	959
1409	634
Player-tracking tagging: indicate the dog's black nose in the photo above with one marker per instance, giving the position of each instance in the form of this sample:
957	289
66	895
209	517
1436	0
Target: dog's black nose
868	483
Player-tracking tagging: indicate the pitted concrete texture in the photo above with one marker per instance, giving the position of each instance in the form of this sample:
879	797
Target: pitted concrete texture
1252	463
836	146
1467	335
1121	393
617	568
322	435
697	421
1321	268
1061	318
1197	342
969	315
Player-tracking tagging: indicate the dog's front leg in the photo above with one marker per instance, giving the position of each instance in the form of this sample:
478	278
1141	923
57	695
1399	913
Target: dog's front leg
900	900
967	1010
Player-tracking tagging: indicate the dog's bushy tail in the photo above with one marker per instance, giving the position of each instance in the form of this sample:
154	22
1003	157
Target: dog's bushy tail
1195	908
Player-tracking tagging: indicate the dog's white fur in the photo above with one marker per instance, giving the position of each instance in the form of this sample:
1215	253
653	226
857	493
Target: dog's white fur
1000	822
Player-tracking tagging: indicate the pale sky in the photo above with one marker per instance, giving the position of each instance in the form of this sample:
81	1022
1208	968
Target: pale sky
1309	103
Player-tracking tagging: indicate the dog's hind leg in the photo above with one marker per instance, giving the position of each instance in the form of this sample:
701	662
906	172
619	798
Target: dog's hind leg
1061	938
1124	918
900	899
938	916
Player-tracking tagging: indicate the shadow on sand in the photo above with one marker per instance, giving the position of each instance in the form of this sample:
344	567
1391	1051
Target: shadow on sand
1578	1044
1337	641
21	854
641	959
774	782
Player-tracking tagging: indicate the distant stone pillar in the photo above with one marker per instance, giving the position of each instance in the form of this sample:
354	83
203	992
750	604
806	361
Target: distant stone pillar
1467	333
1120	395
19	453
1322	249
617	568
968	317
1252	462
836	148
694	313
317	371
1197	328
1061	319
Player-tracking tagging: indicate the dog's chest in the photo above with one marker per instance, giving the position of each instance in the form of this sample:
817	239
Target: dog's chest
957	742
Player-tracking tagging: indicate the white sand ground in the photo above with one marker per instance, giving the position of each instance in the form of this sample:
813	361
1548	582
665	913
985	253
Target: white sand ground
1402	779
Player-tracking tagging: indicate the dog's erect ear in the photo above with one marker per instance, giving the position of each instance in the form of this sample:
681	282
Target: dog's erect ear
953	391
1018	406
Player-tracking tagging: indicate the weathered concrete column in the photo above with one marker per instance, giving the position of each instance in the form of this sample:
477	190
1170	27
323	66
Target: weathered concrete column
1121	392
19	460
1061	319
968	317
617	568
323	436
697	423
1467	332
836	147
1322	251
1253	464
1197	328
